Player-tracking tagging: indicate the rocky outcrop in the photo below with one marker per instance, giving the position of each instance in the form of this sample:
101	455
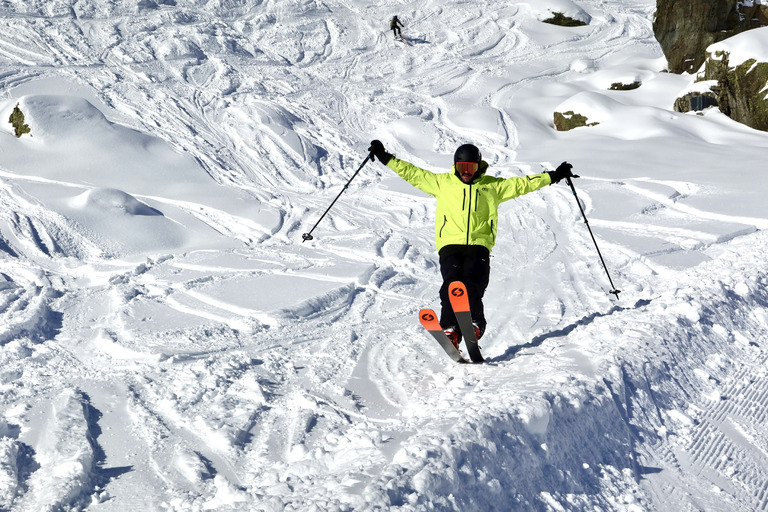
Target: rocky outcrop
740	89
685	29
733	78
697	101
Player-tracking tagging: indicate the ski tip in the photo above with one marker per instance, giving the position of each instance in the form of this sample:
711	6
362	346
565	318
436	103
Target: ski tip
457	293
427	315
429	320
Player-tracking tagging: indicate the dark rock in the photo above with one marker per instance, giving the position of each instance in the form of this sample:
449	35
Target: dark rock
562	20
696	101
685	29
740	89
619	86
565	121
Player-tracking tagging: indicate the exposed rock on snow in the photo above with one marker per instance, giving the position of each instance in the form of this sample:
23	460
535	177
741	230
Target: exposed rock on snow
733	78
686	29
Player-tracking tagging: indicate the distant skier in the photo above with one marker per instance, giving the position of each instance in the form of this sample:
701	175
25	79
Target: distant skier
393	26
466	221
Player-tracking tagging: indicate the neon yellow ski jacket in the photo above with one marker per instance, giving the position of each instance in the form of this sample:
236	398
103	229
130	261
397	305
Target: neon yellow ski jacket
467	214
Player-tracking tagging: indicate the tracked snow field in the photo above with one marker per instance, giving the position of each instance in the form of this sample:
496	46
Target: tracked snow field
169	342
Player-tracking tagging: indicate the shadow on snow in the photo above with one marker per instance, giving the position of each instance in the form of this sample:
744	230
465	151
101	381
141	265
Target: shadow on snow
538	340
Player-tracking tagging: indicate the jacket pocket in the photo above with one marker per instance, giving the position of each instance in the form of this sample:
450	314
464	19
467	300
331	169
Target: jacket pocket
445	221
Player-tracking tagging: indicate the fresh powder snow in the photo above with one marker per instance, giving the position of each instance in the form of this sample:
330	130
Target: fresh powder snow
168	341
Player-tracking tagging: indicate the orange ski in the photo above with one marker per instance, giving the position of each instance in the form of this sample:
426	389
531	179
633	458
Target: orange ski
457	293
459	297
428	319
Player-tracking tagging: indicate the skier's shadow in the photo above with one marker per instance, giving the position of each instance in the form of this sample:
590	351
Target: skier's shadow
416	40
538	340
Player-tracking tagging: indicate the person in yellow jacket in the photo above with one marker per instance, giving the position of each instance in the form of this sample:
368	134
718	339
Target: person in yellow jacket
466	220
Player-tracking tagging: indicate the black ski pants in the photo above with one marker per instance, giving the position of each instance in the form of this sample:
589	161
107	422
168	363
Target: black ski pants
470	264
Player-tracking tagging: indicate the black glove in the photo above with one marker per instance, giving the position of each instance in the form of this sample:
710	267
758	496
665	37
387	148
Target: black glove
563	171
377	151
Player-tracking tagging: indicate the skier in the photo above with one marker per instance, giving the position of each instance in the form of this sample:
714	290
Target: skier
393	26
466	220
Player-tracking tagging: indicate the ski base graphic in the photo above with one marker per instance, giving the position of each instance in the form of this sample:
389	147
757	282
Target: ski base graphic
457	294
429	320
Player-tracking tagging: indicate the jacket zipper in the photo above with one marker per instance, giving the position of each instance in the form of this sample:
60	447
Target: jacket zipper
445	221
469	211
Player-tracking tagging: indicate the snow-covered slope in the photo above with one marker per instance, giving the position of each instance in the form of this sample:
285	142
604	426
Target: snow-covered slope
169	342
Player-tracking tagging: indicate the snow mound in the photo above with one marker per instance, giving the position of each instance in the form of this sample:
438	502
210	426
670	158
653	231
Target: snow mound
752	44
598	108
66	456
111	200
283	124
52	117
545	9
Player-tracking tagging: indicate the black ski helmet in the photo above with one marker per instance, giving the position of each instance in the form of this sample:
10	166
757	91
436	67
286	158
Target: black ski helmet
467	153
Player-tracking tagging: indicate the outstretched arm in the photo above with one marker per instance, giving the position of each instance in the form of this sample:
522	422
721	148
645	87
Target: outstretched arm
424	180
518	186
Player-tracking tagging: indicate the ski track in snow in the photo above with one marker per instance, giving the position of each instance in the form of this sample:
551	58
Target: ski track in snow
224	364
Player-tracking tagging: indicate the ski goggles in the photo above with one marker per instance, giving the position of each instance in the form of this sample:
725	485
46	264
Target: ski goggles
467	167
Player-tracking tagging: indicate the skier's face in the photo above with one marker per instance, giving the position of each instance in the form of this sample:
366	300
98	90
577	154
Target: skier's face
466	170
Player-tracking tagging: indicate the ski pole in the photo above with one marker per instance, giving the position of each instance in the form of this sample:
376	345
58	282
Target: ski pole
570	184
308	236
